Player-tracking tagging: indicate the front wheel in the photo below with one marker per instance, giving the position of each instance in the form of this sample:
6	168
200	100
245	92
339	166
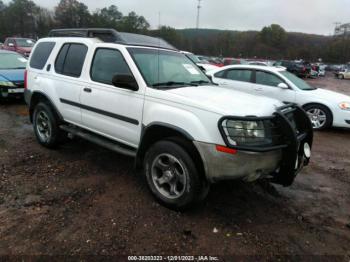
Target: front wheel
172	176
340	76
320	116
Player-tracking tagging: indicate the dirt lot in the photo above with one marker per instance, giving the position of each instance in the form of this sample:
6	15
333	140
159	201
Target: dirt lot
85	200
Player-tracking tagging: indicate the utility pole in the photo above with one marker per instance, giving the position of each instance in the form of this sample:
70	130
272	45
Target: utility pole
337	24
198	11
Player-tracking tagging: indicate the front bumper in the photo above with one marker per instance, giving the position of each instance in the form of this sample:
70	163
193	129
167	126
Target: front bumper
11	91
341	118
282	162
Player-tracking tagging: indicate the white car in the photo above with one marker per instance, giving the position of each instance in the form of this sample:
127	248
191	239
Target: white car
141	97
206	66
325	108
344	74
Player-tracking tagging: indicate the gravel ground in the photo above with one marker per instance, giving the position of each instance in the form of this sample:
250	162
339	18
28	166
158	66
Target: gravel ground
85	200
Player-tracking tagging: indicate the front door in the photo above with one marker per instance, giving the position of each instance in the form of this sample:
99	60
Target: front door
107	109
266	84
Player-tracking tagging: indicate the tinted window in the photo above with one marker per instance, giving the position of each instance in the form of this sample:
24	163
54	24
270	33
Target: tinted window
60	59
239	75
70	59
267	79
220	74
106	64
41	54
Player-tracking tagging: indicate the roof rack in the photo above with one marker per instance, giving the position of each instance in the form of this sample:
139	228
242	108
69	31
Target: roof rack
112	36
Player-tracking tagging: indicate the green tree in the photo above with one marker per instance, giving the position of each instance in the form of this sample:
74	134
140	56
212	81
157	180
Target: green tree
71	13
134	23
20	18
274	36
107	17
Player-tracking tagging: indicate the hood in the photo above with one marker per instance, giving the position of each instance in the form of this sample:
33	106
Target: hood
24	49
13	75
330	95
225	101
208	67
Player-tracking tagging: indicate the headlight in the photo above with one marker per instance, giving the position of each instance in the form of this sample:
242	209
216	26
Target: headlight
248	133
344	106
6	83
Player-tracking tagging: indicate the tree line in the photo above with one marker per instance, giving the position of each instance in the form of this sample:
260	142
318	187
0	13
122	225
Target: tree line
26	19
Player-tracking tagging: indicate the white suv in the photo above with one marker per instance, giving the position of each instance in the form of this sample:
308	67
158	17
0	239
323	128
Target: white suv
141	97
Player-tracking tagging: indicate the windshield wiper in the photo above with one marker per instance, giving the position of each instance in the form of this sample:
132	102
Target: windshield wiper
199	82
173	83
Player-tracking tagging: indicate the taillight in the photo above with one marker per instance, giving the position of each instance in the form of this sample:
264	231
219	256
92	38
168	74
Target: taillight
25	79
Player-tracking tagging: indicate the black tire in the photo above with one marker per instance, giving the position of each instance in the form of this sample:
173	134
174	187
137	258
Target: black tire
341	77
55	135
194	190
328	114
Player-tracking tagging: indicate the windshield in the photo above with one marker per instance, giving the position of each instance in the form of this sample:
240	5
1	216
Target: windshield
12	61
23	42
193	58
298	82
162	68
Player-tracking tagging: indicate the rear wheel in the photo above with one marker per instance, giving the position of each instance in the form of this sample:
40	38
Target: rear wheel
340	76
319	115
46	126
172	176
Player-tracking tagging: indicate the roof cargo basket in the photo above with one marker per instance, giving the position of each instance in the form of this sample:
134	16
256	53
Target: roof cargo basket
112	36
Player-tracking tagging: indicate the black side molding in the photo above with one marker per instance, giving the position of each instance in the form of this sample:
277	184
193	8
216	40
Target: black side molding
101	112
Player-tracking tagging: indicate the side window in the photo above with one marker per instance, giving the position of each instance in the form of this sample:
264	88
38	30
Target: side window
11	41
106	64
239	75
41	54
267	79
70	59
220	74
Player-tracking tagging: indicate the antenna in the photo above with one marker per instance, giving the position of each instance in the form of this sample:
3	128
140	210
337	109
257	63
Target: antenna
198	12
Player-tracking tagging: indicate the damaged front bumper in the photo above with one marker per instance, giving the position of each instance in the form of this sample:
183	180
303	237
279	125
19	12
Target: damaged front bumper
281	162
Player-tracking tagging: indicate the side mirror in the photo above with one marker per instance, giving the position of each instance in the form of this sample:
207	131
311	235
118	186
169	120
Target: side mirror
126	82
11	45
283	86
202	68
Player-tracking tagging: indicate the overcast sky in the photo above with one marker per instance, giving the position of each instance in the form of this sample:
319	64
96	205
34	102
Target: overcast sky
309	16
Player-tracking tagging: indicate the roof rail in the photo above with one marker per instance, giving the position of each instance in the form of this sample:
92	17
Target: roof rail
112	36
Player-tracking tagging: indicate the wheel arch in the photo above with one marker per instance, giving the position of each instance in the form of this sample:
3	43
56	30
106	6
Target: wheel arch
38	97
320	104
157	131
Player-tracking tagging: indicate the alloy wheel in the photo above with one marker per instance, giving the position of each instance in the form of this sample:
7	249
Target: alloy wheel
317	117
43	126
169	176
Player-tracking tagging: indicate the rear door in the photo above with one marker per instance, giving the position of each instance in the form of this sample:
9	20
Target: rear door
266	84
107	109
66	82
238	79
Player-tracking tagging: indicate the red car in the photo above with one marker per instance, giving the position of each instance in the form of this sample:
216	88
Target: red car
22	46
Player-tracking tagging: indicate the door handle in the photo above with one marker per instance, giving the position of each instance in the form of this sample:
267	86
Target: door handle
87	90
258	89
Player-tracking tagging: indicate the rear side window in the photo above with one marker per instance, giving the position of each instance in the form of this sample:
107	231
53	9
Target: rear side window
41	54
220	74
108	63
239	75
70	59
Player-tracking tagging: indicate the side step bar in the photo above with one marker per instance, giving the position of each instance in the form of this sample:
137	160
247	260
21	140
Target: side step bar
99	140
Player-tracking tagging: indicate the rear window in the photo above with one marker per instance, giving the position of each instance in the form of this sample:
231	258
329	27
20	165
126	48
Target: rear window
70	59
41	54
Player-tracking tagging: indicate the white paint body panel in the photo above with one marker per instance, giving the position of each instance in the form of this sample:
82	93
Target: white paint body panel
328	98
